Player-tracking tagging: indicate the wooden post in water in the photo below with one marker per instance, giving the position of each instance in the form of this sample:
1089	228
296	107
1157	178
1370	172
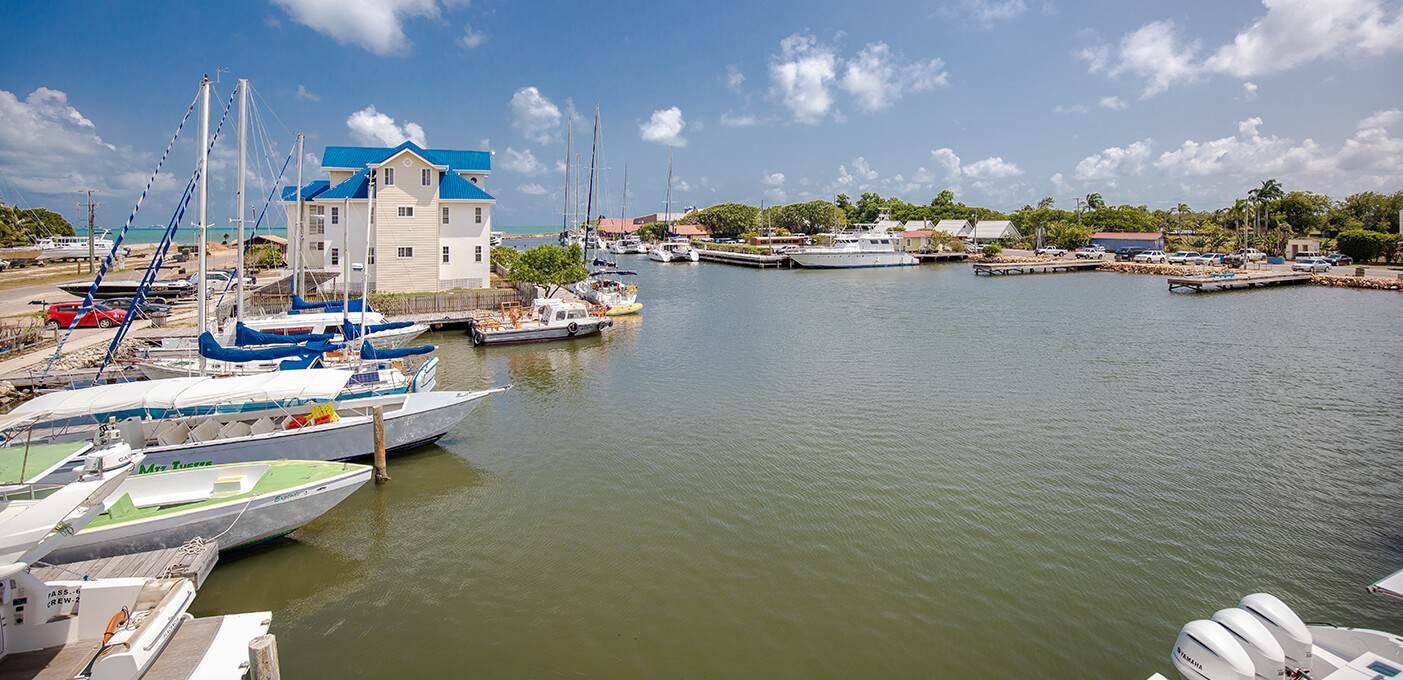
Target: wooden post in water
380	474
263	658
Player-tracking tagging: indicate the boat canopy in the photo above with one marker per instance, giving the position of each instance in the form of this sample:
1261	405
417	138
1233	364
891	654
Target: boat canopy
182	393
244	336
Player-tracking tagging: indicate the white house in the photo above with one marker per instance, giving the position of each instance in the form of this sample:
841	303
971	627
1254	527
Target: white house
994	230
958	228
432	220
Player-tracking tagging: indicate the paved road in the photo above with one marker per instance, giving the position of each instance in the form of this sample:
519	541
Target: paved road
1371	270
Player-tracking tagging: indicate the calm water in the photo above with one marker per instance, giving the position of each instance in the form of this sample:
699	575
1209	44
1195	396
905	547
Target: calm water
873	473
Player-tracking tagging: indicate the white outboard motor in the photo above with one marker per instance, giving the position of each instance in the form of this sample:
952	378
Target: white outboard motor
1265	652
1206	650
1285	626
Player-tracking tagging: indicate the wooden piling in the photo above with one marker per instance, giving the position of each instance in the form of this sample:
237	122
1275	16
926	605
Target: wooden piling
263	658
380	474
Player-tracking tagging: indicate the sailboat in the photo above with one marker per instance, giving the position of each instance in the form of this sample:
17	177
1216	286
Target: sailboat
605	287
672	248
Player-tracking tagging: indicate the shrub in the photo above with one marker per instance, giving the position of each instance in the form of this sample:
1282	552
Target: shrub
991	250
504	255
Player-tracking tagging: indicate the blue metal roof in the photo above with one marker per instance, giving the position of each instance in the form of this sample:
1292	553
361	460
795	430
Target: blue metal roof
452	186
308	192
355	186
361	156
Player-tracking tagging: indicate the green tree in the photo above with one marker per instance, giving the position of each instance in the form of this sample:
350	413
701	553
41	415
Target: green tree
22	227
1068	235
1302	211
727	219
551	266
504	255
1119	218
265	256
1095	202
652	231
1364	245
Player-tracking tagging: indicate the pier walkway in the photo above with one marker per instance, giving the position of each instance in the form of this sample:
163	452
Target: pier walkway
761	260
1038	267
1208	283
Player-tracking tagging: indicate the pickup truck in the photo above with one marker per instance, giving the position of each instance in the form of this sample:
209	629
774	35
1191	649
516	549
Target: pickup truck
1090	252
1053	251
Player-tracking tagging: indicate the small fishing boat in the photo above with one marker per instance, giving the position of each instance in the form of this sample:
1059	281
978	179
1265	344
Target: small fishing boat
610	289
236	505
546	319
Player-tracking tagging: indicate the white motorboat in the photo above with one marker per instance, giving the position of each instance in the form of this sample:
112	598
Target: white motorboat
609	288
330	430
66	247
546	319
496	237
864	249
236	505
628	244
676	249
1263	638
115	628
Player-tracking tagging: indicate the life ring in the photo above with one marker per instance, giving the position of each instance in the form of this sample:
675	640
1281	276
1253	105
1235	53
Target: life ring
118	620
632	290
573	328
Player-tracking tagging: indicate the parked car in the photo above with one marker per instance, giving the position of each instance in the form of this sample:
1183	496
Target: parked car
100	315
1251	254
221	279
1128	254
1209	259
1152	257
1309	255
149	307
1339	260
1090	252
4	264
1053	251
1183	256
1312	265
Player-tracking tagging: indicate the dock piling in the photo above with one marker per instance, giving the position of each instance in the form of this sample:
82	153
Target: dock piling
380	474
263	658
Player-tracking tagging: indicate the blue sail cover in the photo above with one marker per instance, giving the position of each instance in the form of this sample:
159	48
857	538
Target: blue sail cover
368	352
351	331
244	336
211	349
299	364
300	305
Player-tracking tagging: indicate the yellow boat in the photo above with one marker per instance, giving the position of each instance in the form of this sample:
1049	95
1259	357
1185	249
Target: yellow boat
620	310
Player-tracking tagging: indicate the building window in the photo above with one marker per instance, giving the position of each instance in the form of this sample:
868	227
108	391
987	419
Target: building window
404	252
424	177
477	253
335	256
370	256
473	180
406	211
318	245
445	254
445	214
389	177
477	212
335	215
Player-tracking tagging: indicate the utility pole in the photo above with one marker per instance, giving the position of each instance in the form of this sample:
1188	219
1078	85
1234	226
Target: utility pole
91	207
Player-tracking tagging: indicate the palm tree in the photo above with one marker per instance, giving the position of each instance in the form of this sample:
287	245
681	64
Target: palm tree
1045	203
1094	201
1181	209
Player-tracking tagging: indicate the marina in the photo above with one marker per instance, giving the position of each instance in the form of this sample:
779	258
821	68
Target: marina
1036	267
1207	283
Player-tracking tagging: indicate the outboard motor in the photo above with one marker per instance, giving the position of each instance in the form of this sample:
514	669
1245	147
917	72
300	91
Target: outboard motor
1206	650
1283	624
1265	652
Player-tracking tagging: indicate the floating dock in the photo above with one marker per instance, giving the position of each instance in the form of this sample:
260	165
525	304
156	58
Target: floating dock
1208	283
925	258
744	259
194	563
1040	267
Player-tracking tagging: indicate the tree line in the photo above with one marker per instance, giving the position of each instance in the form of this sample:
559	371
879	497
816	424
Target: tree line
21	227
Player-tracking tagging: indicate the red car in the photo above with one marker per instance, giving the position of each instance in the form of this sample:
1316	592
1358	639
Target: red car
100	315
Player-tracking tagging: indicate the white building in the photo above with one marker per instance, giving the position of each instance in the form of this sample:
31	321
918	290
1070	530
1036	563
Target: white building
958	228
995	230
432	224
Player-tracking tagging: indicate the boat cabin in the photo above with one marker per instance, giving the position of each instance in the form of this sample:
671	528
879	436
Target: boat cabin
558	312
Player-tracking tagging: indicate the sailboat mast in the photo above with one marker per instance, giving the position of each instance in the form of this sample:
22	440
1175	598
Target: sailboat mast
565	210
593	156
201	287
296	236
243	149
667	232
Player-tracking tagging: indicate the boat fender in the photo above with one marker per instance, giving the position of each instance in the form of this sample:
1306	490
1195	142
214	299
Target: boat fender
118	620
477	337
573	328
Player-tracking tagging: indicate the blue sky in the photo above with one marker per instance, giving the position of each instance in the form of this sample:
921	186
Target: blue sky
1002	101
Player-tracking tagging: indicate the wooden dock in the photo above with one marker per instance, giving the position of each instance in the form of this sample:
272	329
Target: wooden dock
744	259
926	258
1038	267
194	564
34	378
1209	283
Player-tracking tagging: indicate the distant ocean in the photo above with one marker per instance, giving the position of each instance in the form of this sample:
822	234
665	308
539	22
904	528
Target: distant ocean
148	235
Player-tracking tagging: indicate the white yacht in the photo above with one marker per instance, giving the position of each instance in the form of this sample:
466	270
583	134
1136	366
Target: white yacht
63	247
611	289
676	249
627	244
865	249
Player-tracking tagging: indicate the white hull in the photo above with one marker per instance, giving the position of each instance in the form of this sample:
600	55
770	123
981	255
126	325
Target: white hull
848	259
64	247
239	522
535	334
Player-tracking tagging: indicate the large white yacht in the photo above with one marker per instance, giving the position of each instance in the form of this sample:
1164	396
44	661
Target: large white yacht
63	247
864	249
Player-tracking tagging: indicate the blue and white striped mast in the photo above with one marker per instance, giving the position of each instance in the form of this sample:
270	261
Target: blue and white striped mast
201	288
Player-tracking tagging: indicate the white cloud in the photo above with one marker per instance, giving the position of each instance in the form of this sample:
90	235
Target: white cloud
801	76
1382	119
376	25
947	159
738	121
522	162
532	189
471	39
664	127
862	170
1075	108
369	126
1113	103
986	12
304	93
877	81
1290	34
48	147
774	179
734	78
535	116
680	185
923	176
1115	161
1249	91
991	168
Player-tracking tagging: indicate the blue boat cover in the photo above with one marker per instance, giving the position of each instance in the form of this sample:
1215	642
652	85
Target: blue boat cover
244	336
300	305
368	351
298	364
319	347
211	349
351	331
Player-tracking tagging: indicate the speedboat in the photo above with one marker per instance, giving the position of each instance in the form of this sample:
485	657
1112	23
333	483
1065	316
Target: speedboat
675	249
1263	638
546	319
865	249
